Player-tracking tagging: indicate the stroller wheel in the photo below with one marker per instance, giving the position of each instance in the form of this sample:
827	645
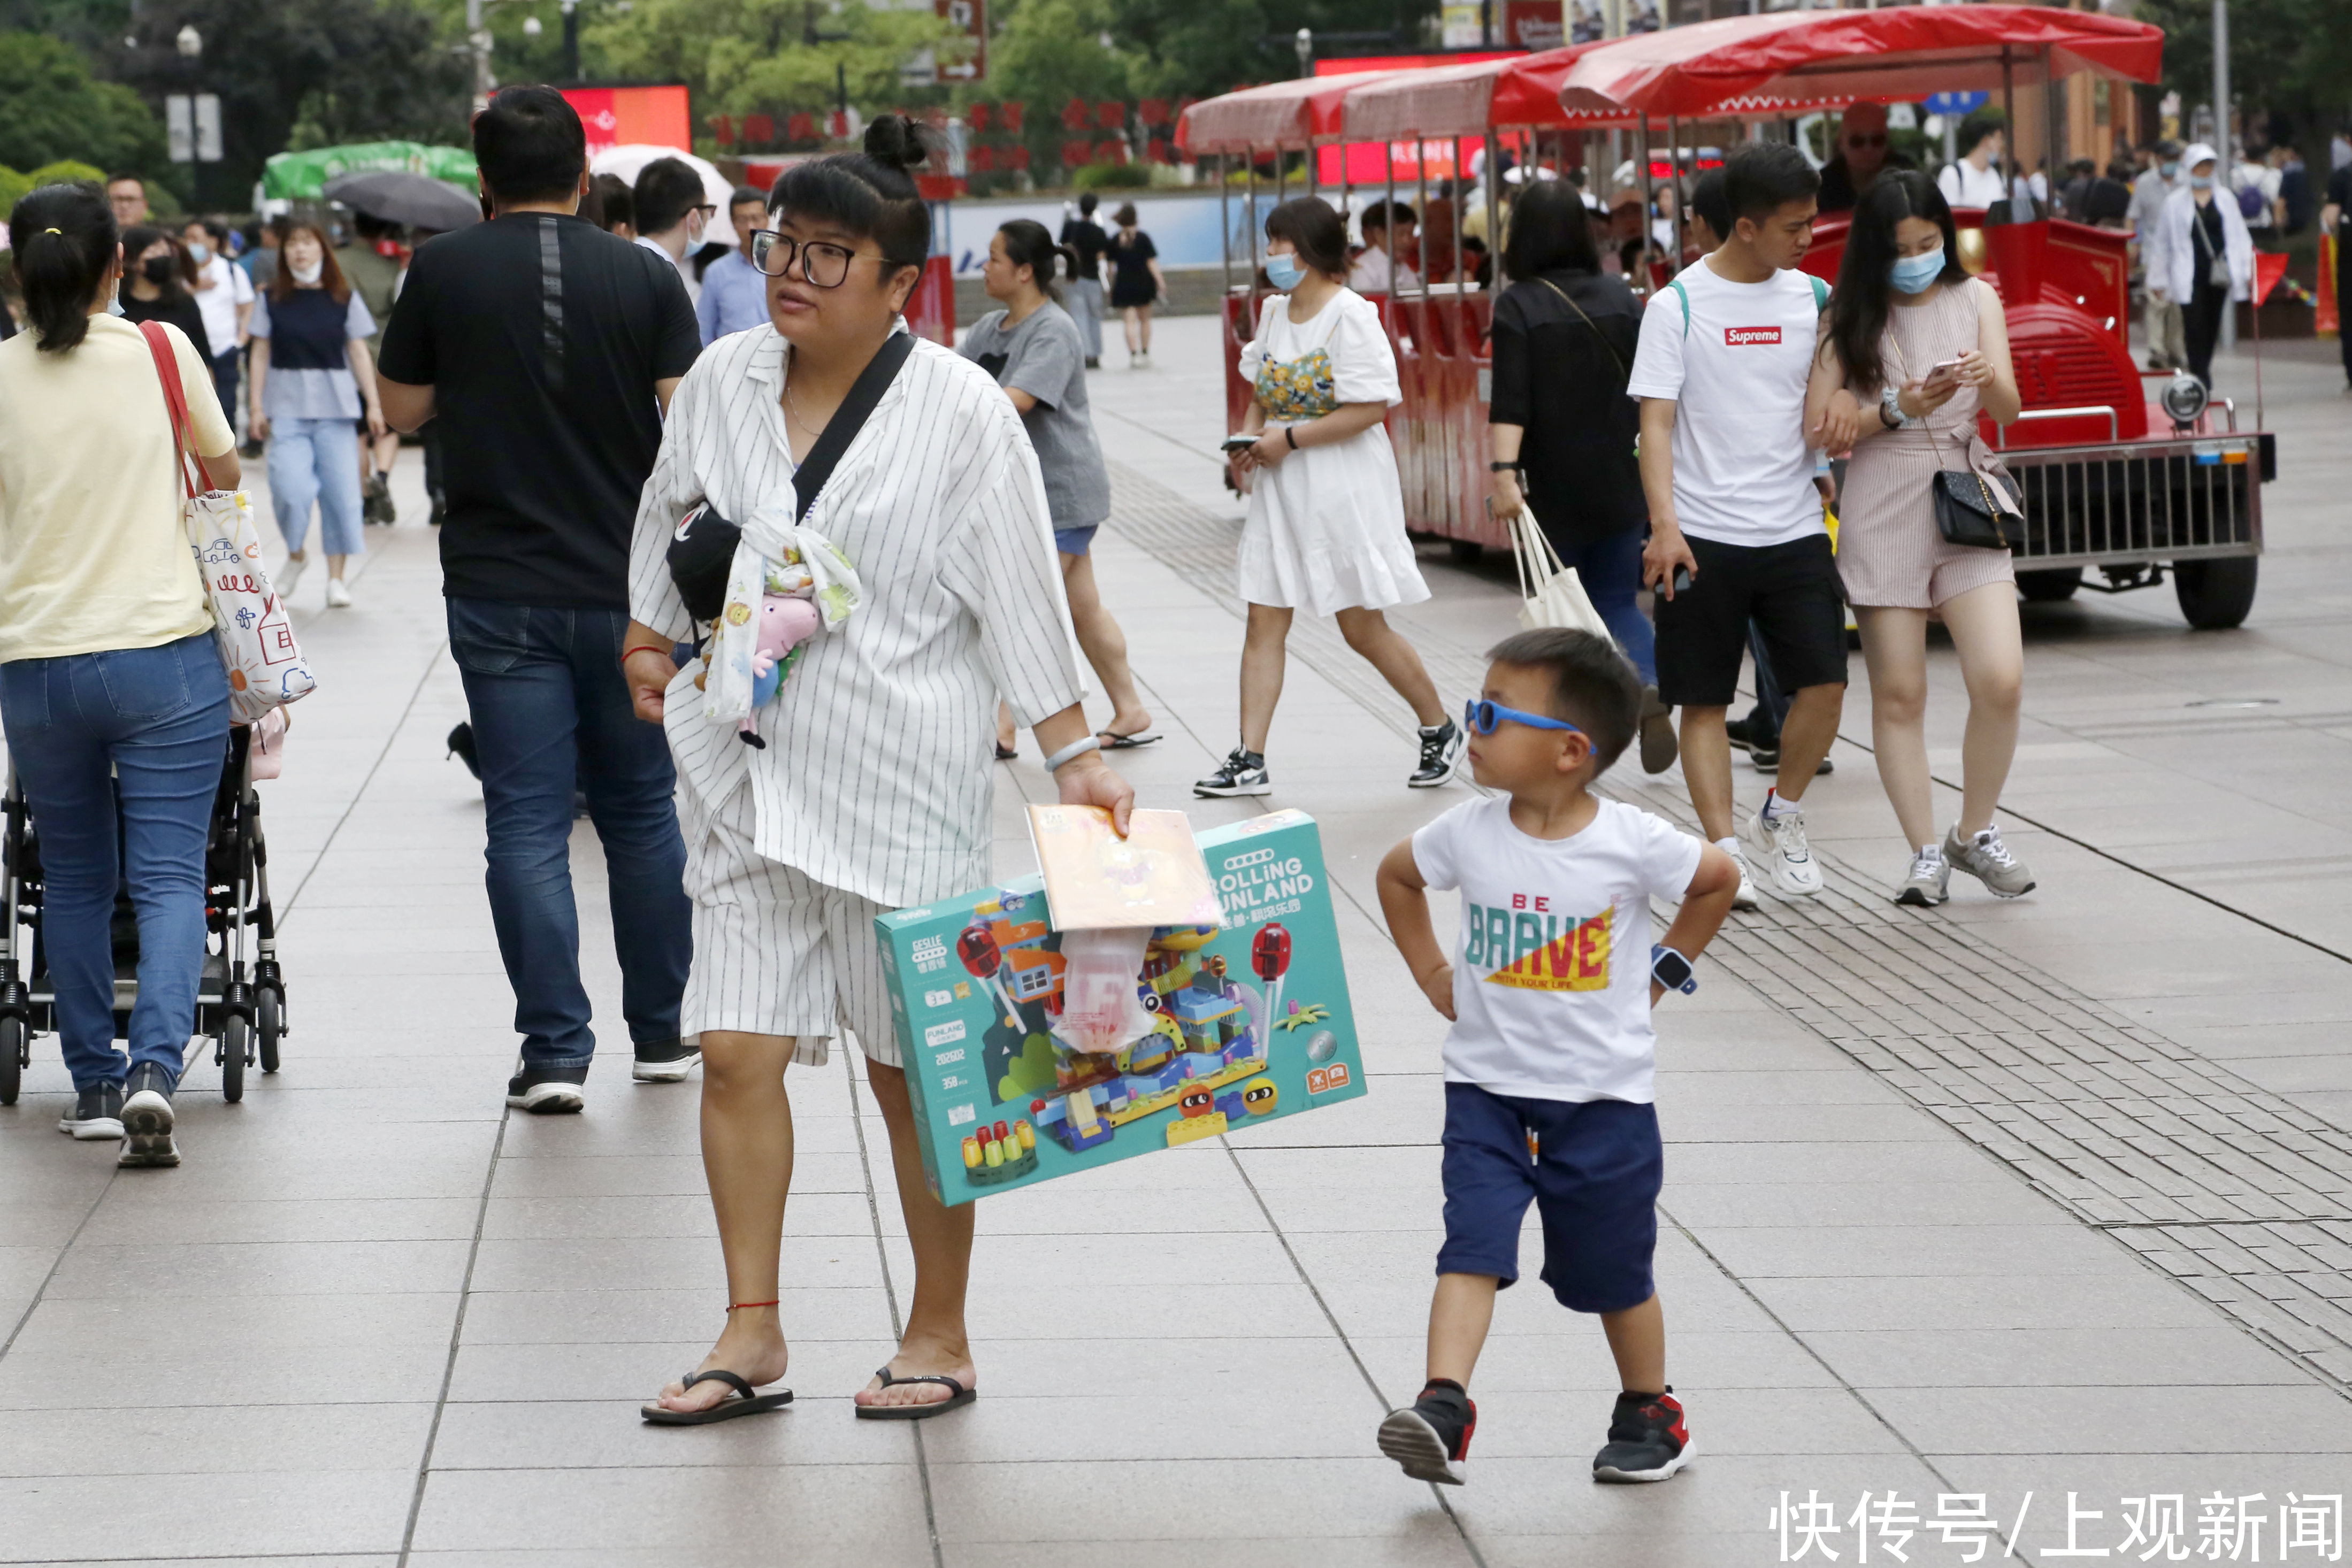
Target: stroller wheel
12	1058
232	1042
268	1029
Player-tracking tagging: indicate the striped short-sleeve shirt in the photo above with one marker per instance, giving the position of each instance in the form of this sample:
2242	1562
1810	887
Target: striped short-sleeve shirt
878	772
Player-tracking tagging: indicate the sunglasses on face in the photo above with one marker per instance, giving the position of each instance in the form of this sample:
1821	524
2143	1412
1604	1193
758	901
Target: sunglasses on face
822	265
1484	717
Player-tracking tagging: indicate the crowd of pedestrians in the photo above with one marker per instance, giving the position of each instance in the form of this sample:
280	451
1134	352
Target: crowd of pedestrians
670	425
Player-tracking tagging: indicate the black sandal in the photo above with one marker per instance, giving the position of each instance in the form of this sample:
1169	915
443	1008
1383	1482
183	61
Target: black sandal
1006	753
742	1402
958	1396
1114	741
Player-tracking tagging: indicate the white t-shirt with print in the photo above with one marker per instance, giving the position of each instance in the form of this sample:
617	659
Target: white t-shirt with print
1551	972
1743	470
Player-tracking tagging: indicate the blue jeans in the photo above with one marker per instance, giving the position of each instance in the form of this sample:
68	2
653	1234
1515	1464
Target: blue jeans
159	716
316	460
551	712
1611	571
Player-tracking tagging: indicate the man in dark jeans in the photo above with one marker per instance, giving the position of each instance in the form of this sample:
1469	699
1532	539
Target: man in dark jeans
547	349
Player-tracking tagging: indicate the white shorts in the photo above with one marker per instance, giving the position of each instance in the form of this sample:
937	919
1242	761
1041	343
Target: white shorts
778	953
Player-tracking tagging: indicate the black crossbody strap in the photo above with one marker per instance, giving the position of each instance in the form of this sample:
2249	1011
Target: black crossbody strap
850	418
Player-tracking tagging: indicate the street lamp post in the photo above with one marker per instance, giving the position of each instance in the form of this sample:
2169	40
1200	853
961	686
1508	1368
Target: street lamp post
2224	143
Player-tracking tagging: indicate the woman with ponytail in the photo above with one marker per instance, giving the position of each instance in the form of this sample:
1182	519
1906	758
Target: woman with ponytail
863	785
1034	350
111	686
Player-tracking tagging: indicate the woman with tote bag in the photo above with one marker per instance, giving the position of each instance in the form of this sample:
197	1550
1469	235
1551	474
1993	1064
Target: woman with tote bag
112	684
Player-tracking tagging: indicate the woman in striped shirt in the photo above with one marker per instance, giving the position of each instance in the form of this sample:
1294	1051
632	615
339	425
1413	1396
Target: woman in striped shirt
870	790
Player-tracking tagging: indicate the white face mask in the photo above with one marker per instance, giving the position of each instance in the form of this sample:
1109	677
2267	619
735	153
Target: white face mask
306	276
202	252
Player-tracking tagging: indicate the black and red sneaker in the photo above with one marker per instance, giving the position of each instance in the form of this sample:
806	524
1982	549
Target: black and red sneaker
1647	1439
1431	1440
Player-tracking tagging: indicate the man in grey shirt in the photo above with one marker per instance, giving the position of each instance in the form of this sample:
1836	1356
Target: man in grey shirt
1033	350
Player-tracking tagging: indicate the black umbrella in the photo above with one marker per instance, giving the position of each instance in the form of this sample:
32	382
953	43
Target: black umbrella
401	198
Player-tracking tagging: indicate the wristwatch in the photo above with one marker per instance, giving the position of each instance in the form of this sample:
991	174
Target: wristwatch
1670	969
1503	467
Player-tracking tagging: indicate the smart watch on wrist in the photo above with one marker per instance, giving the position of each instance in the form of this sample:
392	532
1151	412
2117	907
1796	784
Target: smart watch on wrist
1671	971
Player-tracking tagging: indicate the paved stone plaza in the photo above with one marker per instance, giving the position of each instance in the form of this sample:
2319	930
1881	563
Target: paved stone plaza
2050	1198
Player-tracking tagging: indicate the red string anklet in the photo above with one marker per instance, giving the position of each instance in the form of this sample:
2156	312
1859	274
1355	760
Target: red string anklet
744	1306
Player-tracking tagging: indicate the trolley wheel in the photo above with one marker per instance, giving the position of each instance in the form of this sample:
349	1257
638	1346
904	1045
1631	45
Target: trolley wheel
1465	552
12	1058
2052	587
267	1029
2215	595
232	1043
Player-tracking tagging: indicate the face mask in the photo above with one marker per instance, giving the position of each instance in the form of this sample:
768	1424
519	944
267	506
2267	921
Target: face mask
2167	169
202	252
156	269
306	276
1913	273
2200	181
1283	271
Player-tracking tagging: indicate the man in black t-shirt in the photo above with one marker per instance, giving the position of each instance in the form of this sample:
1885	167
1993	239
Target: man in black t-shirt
544	351
2336	219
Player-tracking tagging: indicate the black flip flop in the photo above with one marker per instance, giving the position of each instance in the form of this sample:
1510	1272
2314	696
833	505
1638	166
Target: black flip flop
742	1402
958	1396
1006	753
1114	742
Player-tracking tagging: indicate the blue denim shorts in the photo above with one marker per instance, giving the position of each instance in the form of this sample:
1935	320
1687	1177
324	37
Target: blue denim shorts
1076	542
1592	1169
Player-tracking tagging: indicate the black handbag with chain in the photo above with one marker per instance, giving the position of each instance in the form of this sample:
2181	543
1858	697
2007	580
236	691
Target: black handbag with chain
1970	512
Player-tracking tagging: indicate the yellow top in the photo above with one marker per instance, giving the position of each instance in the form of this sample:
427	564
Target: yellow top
93	554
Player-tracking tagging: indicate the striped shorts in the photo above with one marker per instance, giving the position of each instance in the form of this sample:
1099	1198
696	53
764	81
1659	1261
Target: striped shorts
777	952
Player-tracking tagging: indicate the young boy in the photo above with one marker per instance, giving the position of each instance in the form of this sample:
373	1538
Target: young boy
1549	1063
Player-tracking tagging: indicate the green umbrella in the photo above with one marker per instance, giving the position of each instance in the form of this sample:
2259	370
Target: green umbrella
300	176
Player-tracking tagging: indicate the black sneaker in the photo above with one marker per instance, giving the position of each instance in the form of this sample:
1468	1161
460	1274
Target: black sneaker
96	1115
1647	1439
664	1060
1431	1440
547	1090
1767	759
147	1118
1243	773
1440	756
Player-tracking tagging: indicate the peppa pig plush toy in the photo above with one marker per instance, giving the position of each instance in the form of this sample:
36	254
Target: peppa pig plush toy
786	623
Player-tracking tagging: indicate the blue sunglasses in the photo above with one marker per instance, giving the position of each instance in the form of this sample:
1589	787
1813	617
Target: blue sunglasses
1485	717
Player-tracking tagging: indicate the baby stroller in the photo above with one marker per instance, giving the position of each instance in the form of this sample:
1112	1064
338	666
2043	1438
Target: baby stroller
240	995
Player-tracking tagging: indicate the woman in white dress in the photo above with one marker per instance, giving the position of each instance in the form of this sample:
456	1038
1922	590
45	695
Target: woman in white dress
863	784
1326	531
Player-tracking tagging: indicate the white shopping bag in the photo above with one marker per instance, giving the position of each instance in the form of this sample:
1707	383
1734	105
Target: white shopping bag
1553	595
265	664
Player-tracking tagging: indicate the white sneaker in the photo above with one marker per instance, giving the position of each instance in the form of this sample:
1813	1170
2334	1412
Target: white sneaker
339	597
1745	897
1983	856
288	575
1788	859
1930	883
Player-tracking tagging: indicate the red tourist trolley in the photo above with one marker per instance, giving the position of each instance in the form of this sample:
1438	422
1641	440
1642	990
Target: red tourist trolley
2114	480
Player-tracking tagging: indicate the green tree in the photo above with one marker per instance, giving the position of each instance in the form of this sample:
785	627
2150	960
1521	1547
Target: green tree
1205	46
350	70
52	109
1047	52
737	56
2287	57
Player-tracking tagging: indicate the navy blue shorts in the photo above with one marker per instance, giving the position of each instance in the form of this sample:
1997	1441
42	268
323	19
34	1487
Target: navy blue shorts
1594	1178
1076	542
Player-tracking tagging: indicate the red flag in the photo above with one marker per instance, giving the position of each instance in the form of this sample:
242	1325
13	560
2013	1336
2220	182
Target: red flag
1153	112
759	128
2269	267
1016	157
1077	154
1076	115
1008	117
723	128
1110	152
1111	115
980	160
801	126
976	116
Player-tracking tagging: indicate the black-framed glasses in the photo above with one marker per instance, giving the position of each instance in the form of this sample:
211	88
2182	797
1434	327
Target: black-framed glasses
708	210
822	265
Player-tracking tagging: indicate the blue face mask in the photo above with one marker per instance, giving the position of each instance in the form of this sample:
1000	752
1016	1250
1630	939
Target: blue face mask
1284	272
1913	274
202	252
2200	181
2167	169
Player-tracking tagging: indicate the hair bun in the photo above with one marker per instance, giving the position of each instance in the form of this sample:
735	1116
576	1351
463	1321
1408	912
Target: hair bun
899	141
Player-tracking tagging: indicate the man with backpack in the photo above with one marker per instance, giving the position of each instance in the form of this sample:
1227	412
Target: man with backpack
1736	523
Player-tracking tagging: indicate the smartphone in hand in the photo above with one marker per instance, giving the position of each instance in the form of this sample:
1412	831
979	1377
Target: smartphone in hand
1233	444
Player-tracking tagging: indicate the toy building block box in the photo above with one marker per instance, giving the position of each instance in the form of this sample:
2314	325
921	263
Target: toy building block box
1250	1021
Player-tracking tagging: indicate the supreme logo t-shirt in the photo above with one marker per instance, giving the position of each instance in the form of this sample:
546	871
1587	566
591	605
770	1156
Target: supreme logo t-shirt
1743	468
1551	967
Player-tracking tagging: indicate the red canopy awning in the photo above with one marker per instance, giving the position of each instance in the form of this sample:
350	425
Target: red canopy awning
1900	53
1294	113
1464	100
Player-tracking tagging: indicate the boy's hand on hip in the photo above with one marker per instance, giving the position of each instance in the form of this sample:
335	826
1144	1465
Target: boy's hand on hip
1438	987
